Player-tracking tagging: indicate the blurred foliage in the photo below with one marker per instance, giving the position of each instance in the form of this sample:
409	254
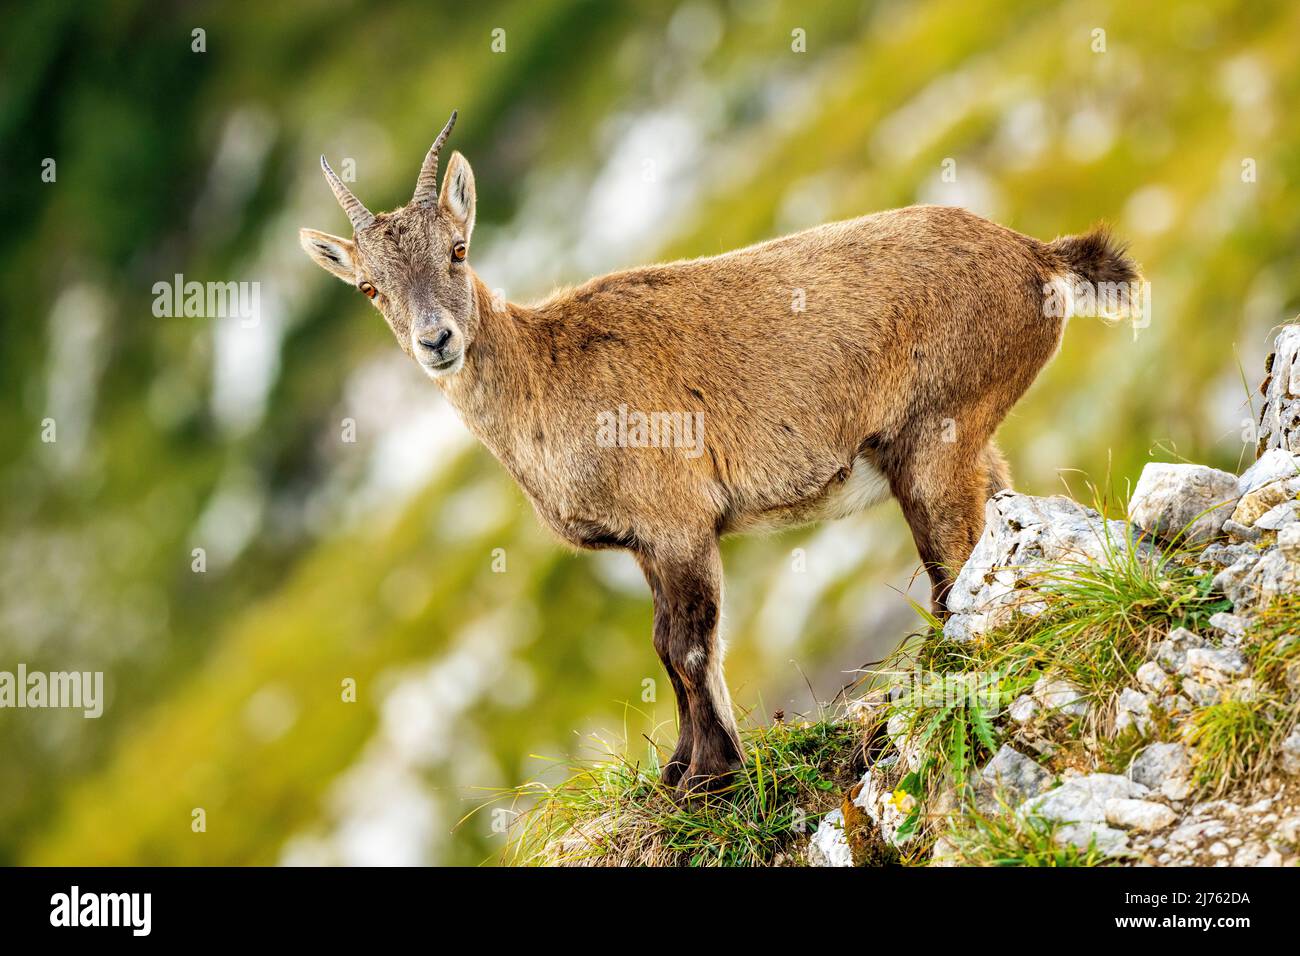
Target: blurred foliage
605	134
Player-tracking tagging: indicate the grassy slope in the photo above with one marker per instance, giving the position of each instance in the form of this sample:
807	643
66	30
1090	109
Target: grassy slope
1098	626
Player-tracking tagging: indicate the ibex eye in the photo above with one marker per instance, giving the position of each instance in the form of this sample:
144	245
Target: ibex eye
458	252
369	290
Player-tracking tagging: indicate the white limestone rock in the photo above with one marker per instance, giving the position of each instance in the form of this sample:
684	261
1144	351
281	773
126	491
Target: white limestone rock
1274	465
1152	677
1253	505
1083	799
1173	499
1133	710
1145	815
1214	665
1054	693
1288	542
1279	516
1231	581
1272	575
828	845
1291	753
1022	536
1279	425
1108	840
1171	653
1164	767
887	811
1009	778
1023	709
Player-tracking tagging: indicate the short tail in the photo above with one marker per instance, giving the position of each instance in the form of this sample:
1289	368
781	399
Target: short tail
1096	256
1097	276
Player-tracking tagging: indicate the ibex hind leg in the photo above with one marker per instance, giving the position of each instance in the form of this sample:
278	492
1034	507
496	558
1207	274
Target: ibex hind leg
942	487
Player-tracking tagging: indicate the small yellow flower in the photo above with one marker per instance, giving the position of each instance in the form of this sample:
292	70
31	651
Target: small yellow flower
903	801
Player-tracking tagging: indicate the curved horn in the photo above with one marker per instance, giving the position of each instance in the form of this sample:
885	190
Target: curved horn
358	215
426	187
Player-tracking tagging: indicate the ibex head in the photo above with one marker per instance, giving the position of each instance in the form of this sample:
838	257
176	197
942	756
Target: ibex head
412	262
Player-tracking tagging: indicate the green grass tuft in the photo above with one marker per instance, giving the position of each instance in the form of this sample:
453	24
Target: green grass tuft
612	812
1230	741
1098	626
1236	740
1010	840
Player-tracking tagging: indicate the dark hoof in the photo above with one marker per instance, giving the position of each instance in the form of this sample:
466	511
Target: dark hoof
699	782
671	775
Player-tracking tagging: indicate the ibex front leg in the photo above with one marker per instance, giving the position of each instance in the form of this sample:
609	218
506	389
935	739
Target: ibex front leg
687	595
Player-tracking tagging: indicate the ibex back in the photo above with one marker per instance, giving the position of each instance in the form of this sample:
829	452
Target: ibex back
826	370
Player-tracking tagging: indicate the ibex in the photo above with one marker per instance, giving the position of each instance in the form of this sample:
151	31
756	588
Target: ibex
832	368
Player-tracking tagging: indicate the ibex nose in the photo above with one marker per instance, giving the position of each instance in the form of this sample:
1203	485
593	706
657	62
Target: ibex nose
438	341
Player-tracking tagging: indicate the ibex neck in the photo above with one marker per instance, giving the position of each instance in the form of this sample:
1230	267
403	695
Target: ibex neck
497	375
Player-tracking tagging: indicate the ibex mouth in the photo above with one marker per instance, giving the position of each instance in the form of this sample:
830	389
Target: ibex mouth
438	369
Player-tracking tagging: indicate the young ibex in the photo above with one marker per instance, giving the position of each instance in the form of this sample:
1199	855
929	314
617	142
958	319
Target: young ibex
918	330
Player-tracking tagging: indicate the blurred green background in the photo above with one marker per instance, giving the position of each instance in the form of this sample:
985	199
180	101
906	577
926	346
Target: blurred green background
602	135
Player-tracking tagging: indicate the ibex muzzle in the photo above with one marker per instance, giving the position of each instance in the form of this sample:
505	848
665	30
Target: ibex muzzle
827	370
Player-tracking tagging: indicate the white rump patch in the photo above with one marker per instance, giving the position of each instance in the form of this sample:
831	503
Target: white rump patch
866	486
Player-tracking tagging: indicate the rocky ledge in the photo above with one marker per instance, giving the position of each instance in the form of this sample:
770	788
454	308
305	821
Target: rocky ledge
1179	747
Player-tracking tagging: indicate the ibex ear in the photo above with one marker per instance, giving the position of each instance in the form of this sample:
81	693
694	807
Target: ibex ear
457	199
332	253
